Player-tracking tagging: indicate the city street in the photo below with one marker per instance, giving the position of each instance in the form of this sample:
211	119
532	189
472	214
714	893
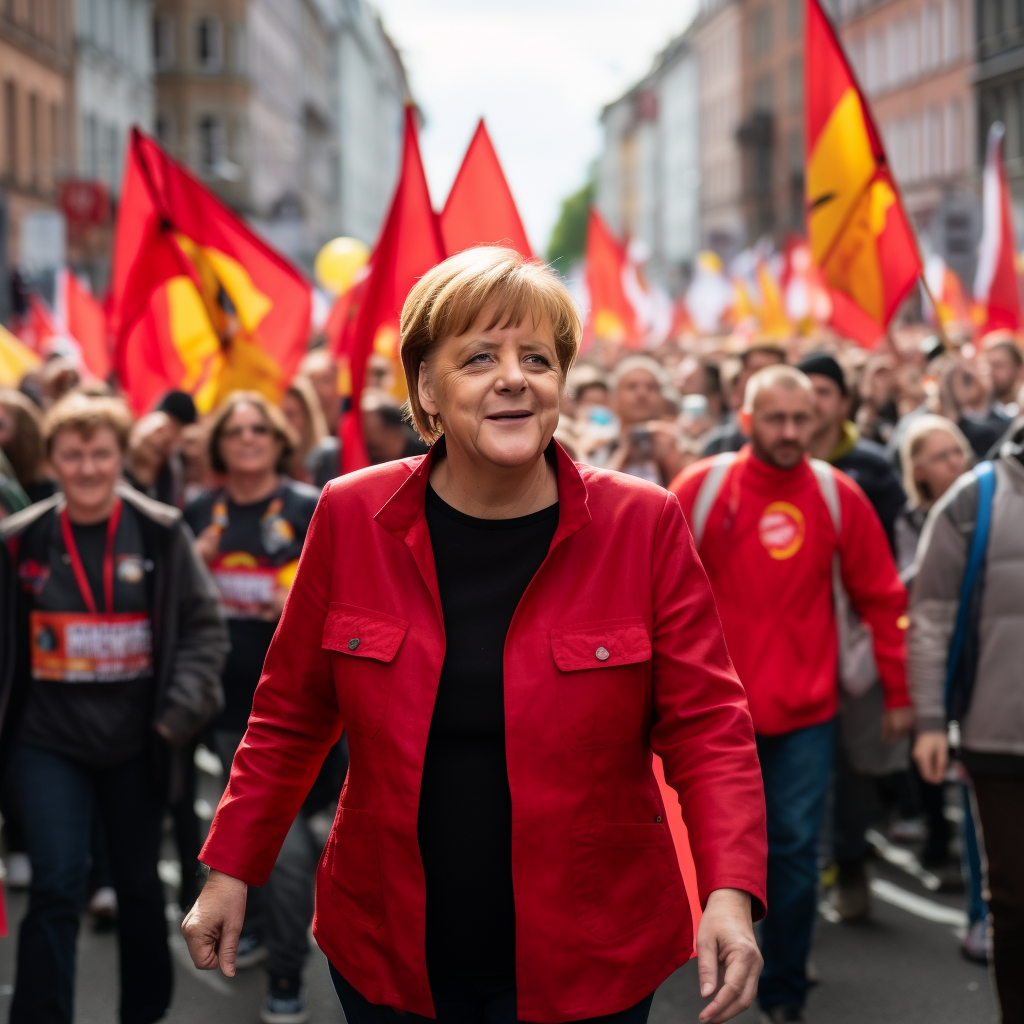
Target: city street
901	968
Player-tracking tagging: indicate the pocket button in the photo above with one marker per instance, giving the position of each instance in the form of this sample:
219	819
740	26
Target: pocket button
353	643
602	654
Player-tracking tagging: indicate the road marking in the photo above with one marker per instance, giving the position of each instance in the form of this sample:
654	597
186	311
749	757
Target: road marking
917	905
904	860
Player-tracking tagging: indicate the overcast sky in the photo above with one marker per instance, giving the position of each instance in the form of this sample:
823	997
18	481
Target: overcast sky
538	71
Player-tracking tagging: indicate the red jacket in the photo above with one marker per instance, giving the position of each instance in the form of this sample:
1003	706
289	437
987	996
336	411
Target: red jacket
768	547
601	914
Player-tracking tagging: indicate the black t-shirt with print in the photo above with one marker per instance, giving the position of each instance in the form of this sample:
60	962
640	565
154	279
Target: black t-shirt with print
96	723
259	546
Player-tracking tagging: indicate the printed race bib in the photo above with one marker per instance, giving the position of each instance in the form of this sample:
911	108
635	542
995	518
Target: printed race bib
78	647
246	587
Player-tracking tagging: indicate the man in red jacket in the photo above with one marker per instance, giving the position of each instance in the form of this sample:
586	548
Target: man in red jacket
768	541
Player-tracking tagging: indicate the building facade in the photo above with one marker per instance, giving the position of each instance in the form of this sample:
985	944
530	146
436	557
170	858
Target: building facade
36	113
291	110
717	39
915	61
648	174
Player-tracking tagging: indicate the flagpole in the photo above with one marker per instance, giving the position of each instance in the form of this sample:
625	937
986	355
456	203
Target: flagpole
947	342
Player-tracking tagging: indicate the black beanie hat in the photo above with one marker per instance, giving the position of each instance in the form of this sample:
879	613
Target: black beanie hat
823	365
179	404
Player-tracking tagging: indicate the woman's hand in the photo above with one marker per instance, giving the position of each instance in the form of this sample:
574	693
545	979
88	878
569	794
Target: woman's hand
213	925
207	544
931	754
728	960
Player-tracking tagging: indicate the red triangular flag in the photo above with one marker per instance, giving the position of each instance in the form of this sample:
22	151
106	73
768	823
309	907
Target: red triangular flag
410	243
480	209
995	283
87	324
198	301
612	316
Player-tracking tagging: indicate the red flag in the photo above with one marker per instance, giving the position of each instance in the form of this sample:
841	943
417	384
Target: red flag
995	283
87	324
409	244
198	301
859	233
480	209
612	316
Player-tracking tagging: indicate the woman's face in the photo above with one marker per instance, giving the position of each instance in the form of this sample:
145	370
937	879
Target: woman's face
497	391
87	468
295	413
247	442
938	463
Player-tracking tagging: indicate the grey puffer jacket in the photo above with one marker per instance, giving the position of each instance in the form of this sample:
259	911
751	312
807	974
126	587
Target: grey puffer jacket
994	723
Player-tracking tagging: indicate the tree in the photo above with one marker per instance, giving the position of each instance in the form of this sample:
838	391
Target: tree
569	235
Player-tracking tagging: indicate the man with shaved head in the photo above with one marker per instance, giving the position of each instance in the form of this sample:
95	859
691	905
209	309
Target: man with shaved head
770	525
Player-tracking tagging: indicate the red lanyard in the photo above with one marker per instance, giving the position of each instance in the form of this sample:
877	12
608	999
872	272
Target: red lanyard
108	559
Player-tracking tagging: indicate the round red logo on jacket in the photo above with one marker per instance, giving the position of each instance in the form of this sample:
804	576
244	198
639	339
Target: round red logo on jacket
781	529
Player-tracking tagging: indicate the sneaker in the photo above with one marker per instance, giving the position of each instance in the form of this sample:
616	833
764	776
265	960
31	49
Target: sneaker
19	871
285	1002
851	895
975	944
103	907
783	1015
251	952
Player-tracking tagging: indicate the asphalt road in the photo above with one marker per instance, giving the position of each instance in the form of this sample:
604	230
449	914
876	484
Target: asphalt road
903	966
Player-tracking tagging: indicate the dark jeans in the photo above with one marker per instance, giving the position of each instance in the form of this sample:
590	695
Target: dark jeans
281	911
795	768
464	1001
1000	801
56	798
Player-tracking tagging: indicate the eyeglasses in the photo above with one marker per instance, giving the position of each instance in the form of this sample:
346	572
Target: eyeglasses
256	429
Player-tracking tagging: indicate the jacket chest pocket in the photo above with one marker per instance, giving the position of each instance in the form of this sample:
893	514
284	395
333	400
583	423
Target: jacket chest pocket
364	643
603	681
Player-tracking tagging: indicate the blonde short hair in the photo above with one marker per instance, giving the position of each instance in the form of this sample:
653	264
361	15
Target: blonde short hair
779	375
488	280
910	447
85	414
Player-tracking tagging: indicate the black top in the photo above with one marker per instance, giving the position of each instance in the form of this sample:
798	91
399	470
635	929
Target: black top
257	540
465	817
867	464
94	722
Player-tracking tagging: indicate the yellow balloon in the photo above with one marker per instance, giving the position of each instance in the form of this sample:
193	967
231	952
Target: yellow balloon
338	262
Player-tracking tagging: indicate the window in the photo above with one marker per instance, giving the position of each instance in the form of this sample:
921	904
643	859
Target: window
952	29
932	143
795	83
761	31
794	17
163	43
209	44
764	94
56	149
875	62
34	160
165	129
11	130
89	155
796	150
212	142
931	51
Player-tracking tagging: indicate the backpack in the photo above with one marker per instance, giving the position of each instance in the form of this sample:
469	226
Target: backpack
962	665
857	670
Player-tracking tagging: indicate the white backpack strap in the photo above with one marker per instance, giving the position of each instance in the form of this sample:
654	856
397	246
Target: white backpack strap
829	491
708	492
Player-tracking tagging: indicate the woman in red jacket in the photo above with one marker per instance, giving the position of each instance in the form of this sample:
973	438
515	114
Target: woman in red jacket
505	636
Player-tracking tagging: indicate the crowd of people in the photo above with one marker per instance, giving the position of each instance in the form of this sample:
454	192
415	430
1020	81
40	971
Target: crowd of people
835	498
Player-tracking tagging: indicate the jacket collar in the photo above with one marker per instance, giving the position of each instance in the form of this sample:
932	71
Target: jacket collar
406	506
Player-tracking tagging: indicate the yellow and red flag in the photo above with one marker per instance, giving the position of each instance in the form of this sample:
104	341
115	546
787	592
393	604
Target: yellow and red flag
198	301
16	359
613	317
480	209
409	244
859	233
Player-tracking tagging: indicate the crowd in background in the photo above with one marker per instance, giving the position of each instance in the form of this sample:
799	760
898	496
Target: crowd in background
905	421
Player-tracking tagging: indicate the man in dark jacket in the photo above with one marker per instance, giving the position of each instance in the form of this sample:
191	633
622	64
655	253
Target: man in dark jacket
837	440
